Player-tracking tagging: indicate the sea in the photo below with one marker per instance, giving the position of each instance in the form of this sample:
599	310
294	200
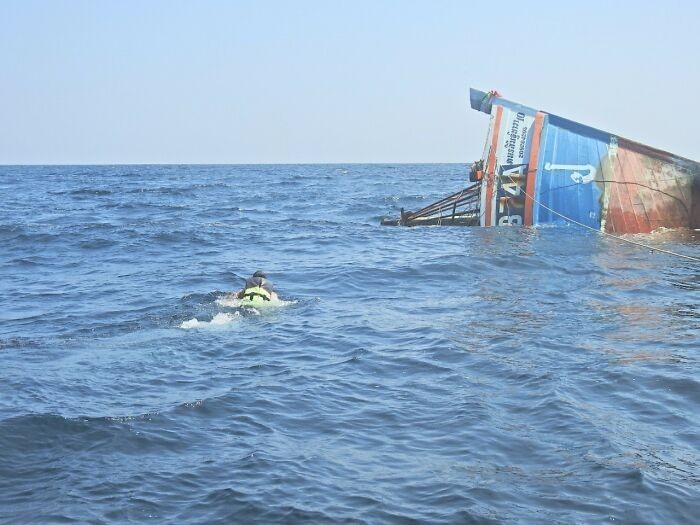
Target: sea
417	375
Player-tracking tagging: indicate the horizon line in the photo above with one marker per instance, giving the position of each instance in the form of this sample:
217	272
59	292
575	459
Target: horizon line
232	164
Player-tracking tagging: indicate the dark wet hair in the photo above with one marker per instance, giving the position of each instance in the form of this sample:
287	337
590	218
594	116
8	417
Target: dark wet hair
260	274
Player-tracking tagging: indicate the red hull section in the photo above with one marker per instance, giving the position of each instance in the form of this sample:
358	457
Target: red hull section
648	192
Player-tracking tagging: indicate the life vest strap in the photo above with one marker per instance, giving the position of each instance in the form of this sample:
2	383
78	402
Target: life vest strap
250	295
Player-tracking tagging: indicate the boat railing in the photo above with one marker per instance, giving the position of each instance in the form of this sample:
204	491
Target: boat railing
461	208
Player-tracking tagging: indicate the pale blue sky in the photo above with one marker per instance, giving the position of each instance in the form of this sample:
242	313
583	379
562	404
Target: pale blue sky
163	81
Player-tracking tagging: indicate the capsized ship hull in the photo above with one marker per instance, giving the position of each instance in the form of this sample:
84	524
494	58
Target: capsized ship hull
539	168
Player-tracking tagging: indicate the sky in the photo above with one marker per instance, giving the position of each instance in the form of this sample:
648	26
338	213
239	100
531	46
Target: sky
306	81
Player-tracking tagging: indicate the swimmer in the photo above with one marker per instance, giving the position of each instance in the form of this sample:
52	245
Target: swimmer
257	289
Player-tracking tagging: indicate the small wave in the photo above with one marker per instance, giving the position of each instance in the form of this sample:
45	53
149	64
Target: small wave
29	261
11	228
163	190
90	192
200	298
96	244
18	342
31	238
219	320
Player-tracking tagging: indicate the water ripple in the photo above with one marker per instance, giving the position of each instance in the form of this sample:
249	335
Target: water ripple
423	375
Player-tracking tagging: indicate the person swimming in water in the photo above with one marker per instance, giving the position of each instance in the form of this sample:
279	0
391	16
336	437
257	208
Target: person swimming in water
257	288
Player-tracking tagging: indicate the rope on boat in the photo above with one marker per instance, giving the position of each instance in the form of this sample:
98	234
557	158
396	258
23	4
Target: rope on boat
629	241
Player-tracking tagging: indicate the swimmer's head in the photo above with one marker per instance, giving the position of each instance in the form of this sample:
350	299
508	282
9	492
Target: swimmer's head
260	274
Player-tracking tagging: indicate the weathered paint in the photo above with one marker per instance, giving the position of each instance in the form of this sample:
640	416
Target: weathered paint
648	192
511	172
539	164
532	167
488	182
506	166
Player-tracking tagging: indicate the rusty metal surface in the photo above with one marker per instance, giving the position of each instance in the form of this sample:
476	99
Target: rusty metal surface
647	193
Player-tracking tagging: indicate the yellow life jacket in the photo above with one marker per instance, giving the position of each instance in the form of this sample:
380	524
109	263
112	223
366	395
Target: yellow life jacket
256	293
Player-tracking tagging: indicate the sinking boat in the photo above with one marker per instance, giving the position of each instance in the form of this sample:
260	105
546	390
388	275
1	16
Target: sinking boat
539	168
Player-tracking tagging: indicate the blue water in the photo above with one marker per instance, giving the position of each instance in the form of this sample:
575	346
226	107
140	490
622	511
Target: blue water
416	375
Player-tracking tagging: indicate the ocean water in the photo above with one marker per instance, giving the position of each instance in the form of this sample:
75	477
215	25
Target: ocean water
412	375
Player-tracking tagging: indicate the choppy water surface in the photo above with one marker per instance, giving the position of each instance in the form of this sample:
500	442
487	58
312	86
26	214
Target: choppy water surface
424	375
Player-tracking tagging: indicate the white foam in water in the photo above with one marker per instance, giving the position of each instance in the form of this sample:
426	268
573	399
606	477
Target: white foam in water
223	319
219	320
